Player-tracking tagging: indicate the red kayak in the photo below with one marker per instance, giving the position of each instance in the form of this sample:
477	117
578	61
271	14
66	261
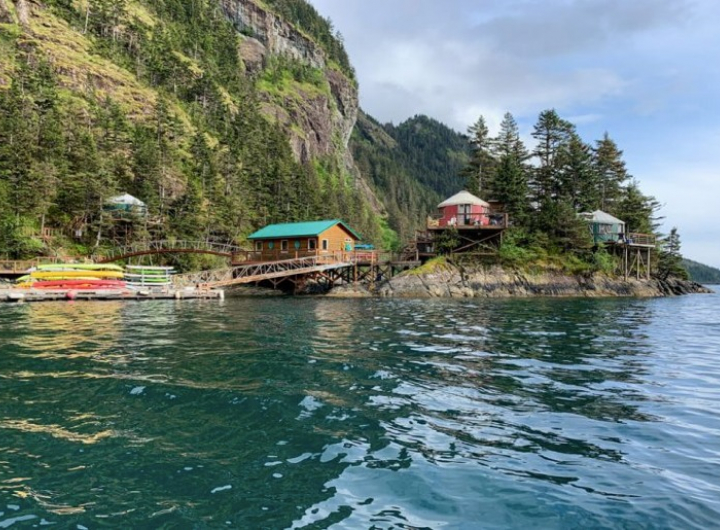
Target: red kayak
80	284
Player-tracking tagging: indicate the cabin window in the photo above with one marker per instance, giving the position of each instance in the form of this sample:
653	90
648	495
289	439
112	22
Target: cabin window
325	244
258	246
297	244
312	244
284	245
271	245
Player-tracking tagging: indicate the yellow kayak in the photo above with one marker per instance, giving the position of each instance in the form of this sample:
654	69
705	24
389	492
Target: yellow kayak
64	275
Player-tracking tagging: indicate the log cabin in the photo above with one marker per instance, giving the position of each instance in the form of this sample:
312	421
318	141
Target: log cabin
298	240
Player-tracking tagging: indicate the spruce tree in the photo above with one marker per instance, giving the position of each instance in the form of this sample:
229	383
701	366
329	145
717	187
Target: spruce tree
670	258
510	183
480	169
637	210
551	133
611	171
577	179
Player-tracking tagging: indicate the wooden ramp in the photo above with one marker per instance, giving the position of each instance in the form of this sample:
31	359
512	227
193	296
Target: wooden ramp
257	272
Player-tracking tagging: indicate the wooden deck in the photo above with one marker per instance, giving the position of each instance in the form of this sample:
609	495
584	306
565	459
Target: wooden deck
252	272
478	222
633	239
349	266
15	295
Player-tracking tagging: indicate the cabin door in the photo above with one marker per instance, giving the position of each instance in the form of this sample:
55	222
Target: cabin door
464	211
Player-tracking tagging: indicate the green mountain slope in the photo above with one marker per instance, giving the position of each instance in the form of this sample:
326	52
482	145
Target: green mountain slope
412	166
702	273
218	114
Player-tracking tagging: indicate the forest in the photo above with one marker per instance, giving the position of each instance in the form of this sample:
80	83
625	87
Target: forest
198	151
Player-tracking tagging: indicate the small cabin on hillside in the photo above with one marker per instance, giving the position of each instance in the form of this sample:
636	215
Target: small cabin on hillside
125	204
479	226
604	227
463	209
297	240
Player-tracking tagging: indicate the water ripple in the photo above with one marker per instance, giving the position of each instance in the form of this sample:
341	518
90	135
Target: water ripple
308	413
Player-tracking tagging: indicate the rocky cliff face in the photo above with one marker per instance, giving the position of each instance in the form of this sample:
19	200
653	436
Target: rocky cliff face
448	281
319	122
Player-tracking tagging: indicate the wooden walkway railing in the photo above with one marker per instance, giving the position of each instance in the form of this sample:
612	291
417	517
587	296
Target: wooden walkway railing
22	266
256	272
474	221
171	246
645	240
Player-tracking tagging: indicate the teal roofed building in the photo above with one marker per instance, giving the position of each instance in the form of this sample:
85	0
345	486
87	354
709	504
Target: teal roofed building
311	238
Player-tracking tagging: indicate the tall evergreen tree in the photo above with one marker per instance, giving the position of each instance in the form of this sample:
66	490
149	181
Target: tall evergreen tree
611	171
577	179
552	133
480	169
510	183
637	210
670	258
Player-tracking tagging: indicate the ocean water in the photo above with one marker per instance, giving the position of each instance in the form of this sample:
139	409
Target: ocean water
317	413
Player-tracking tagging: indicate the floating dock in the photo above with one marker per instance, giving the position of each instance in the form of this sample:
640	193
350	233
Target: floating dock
46	295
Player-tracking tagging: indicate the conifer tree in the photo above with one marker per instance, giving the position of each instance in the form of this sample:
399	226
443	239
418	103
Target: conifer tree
670	258
611	171
510	182
480	168
552	133
577	179
637	210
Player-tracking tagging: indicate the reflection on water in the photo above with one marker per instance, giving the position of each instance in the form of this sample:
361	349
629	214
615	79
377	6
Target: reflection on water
310	413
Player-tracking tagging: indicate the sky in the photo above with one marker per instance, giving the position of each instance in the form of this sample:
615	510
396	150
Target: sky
647	72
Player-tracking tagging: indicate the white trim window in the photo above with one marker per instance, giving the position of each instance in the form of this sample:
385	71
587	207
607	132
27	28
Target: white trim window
325	244
284	245
312	244
258	246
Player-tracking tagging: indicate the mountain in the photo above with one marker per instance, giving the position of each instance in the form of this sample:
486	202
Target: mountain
221	115
413	166
702	273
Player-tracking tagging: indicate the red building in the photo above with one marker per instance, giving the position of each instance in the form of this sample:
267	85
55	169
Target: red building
462	210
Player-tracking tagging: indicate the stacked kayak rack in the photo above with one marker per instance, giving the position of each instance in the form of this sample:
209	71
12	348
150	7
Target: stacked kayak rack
144	277
75	276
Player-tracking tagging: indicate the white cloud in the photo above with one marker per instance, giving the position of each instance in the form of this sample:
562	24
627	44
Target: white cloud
643	70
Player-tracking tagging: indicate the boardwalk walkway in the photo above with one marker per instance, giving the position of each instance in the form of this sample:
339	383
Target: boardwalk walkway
171	246
256	272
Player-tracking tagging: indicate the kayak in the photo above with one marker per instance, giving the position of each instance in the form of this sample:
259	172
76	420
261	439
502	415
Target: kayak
149	267
136	277
56	275
149	272
80	284
80	267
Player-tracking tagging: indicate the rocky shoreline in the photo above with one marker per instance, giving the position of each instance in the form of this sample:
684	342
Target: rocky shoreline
449	281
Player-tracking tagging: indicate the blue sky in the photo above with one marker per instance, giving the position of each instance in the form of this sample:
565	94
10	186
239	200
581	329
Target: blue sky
645	71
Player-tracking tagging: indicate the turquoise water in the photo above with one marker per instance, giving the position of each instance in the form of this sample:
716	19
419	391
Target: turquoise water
314	413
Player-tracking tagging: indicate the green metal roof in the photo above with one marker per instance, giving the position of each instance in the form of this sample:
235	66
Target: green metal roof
289	230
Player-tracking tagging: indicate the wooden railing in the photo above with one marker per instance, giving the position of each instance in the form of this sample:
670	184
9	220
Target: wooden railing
171	246
481	221
634	238
353	256
259	271
22	266
250	271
